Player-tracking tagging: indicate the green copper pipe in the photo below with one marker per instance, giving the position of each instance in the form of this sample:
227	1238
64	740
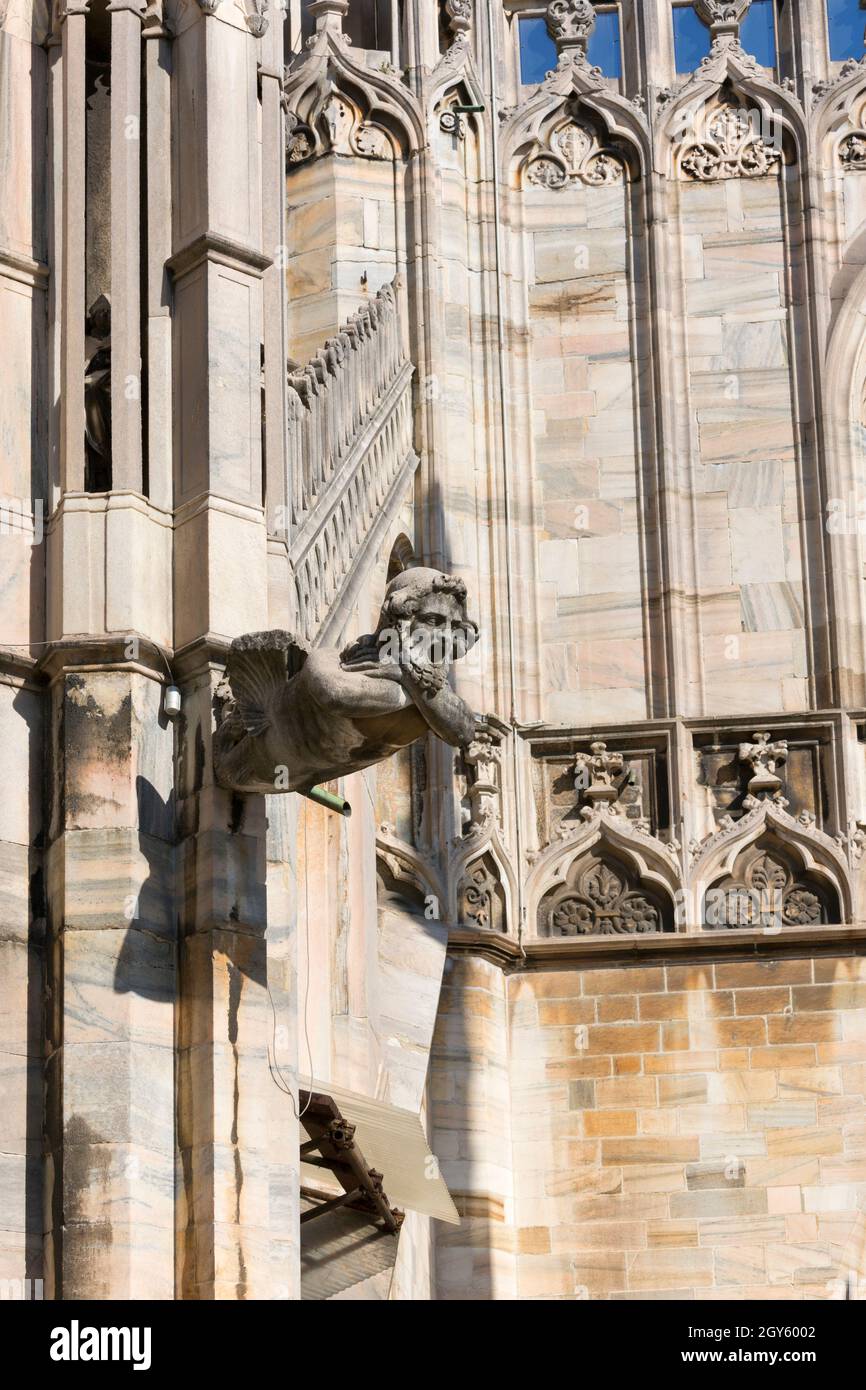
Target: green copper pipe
329	799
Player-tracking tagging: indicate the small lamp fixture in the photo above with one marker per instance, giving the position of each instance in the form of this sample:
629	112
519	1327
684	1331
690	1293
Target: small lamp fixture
172	702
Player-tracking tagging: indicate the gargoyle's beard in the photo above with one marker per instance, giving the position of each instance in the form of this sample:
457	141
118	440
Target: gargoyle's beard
429	675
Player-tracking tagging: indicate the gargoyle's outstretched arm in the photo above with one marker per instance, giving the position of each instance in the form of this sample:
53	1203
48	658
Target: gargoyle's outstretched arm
447	715
361	692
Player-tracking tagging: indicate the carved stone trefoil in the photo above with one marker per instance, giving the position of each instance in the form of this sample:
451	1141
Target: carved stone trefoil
731	146
573	155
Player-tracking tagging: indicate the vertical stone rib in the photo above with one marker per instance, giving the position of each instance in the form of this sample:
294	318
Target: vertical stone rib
158	213
125	246
72	321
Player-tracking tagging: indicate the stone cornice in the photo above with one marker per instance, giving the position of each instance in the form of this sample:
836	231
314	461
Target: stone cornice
662	948
501	950
15	265
86	653
108	502
220	250
199	656
212	501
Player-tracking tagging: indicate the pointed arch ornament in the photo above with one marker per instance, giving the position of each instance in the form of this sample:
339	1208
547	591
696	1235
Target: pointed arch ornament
571	154
411	871
770	870
608	876
334	103
732	108
481	877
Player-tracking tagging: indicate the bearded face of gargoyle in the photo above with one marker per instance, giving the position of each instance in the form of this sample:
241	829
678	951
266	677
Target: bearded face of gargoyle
289	718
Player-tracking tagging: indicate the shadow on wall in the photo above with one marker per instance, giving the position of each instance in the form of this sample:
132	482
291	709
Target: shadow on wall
146	960
223	894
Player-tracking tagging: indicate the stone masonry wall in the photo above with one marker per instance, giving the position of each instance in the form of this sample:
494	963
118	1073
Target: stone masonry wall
685	1131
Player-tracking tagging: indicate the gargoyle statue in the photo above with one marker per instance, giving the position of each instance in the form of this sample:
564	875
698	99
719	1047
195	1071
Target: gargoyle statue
289	718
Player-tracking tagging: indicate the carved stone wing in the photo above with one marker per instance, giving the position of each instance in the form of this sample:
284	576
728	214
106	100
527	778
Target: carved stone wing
258	667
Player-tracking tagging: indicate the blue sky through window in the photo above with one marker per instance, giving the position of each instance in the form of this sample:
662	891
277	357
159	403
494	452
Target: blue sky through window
691	38
845	21
603	51
758	34
538	51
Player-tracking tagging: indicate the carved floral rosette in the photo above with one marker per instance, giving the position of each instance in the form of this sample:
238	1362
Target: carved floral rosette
570	22
572	154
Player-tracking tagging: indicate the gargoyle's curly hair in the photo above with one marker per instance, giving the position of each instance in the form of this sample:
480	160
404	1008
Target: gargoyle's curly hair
403	597
407	591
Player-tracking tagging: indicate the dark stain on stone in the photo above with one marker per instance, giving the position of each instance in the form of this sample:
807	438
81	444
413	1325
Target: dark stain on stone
187	1237
235	987
86	1165
90	736
37	895
237	813
199	756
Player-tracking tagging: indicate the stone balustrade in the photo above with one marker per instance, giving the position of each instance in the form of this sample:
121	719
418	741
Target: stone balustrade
349	447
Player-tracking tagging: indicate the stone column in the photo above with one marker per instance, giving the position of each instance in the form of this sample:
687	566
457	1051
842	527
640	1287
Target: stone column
471	1133
224	1086
224	1083
157	66
810	41
656	41
125	245
275	331
22	924
23	506
283	1129
73	307
111	982
55	225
